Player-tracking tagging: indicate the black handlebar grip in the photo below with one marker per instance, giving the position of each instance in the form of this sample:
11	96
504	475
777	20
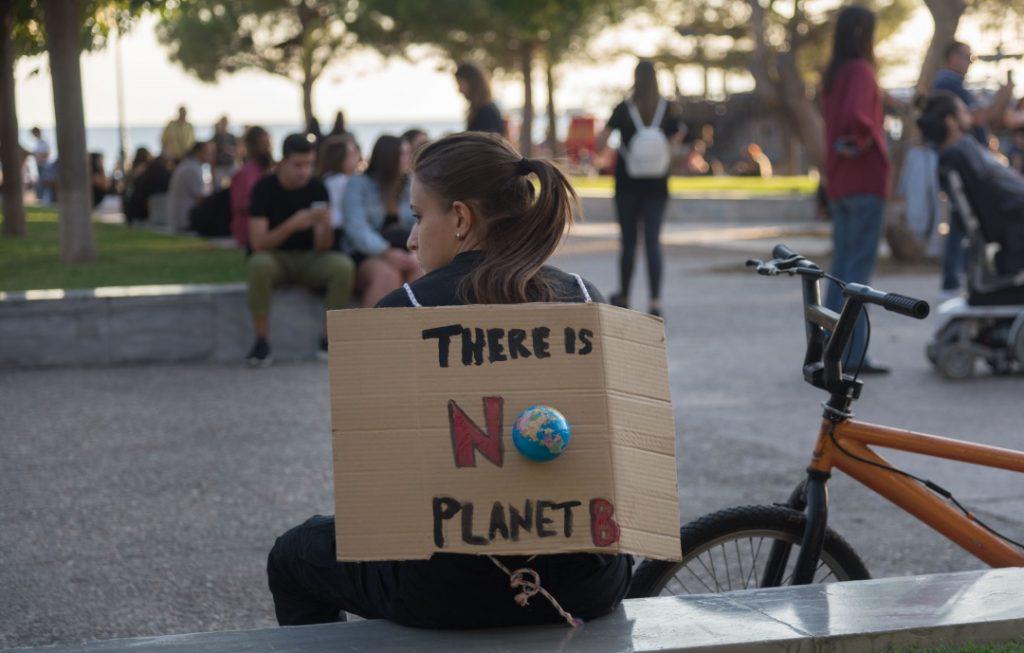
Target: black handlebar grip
915	308
781	251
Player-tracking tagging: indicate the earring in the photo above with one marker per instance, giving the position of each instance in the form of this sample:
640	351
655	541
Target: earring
458	235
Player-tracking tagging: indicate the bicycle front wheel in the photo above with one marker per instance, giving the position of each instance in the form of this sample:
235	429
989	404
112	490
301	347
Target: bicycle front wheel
728	550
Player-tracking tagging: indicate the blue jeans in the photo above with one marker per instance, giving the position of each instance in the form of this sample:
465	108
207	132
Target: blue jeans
856	229
954	257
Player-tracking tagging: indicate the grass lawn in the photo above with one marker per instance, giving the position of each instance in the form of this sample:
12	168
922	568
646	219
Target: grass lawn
125	257
710	185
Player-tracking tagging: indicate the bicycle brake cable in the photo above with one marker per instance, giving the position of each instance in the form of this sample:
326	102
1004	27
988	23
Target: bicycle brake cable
934	487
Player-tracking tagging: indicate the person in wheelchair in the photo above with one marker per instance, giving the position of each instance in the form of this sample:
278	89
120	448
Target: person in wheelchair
988	200
994	194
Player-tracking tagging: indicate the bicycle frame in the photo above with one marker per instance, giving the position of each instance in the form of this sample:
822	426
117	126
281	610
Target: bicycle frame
910	495
845	444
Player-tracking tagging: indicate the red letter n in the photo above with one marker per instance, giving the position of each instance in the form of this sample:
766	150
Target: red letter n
467	436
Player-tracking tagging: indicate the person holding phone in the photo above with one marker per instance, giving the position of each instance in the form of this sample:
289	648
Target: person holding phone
378	221
291	237
950	78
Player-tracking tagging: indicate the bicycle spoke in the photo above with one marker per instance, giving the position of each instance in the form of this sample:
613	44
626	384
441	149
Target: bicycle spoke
739	560
753	565
727	564
831	573
699	579
821	563
679	583
725	561
714	574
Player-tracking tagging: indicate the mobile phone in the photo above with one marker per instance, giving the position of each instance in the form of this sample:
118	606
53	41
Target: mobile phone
844	146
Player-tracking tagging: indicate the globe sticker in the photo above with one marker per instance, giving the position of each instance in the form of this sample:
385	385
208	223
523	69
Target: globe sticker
541	433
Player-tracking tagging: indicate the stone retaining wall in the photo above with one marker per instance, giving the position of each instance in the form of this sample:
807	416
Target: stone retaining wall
145	324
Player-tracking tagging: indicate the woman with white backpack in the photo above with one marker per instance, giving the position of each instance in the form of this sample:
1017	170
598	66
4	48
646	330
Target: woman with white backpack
648	128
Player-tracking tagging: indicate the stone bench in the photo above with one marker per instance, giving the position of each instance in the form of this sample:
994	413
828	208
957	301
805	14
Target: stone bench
147	324
874	615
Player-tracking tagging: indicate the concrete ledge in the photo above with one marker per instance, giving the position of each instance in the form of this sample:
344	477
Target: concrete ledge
144	324
736	208
873	615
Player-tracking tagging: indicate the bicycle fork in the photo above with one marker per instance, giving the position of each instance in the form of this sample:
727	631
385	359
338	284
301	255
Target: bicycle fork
811	498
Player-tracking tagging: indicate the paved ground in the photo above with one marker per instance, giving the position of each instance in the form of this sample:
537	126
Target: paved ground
143	500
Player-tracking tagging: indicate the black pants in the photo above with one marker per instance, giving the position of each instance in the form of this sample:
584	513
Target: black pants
448	591
633	208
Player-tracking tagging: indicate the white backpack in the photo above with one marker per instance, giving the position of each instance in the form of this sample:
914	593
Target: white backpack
647	154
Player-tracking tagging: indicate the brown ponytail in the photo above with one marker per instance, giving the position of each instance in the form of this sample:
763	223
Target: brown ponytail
520	226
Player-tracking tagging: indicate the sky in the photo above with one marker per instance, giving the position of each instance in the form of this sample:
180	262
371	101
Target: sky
372	90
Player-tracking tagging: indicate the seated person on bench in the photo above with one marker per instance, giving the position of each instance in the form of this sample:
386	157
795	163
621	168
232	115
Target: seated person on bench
483	234
291	238
994	192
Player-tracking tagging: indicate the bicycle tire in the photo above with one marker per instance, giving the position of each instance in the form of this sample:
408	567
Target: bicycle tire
710	533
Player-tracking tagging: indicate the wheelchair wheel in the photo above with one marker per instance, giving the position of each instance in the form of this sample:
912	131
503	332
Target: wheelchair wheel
955	361
727	550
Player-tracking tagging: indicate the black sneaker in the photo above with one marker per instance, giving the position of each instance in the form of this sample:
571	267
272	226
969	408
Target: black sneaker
872	367
620	300
259	356
321	353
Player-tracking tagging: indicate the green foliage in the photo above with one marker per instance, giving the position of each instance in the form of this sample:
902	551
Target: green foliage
291	39
495	32
100	19
126	257
720	31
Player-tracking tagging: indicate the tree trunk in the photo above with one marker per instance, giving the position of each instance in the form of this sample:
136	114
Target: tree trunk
552	135
801	110
63	24
307	101
789	158
10	149
946	15
526	128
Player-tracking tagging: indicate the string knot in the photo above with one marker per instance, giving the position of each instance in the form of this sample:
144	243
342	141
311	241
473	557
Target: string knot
530	587
528	582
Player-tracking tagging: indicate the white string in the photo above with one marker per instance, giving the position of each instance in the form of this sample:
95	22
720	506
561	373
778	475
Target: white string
412	297
583	287
531	587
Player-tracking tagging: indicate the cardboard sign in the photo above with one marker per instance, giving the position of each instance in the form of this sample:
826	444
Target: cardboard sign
423	402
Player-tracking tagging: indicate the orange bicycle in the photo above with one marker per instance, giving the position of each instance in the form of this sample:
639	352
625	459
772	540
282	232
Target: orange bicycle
791	543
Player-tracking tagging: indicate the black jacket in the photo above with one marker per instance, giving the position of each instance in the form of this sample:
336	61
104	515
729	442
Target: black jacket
441	287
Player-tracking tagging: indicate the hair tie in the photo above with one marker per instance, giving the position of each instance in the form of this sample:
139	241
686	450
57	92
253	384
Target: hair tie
524	167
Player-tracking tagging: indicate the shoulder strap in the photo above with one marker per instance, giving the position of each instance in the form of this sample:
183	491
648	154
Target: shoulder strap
659	113
638	122
411	295
634	114
583	288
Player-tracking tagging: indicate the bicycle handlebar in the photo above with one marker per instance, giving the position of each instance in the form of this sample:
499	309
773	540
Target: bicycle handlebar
828	333
909	306
781	251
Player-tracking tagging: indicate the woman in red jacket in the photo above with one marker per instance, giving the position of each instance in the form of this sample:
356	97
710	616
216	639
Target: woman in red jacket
856	162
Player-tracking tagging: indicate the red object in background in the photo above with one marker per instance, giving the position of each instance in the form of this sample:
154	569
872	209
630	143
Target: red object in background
582	138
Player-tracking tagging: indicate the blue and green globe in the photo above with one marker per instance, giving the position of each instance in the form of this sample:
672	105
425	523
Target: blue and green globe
541	433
